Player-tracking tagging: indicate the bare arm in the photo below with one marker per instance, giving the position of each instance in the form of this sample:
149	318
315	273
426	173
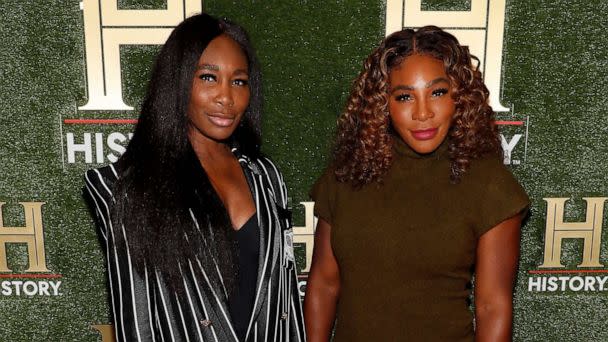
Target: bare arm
497	258
323	287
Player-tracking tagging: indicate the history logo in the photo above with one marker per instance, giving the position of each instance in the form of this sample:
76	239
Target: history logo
37	279
97	135
481	28
514	140
589	275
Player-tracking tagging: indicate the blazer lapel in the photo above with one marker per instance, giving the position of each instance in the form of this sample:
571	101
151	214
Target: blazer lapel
212	288
212	285
269	243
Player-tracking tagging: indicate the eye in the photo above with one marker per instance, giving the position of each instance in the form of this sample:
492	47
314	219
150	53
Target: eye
241	82
403	97
439	92
207	77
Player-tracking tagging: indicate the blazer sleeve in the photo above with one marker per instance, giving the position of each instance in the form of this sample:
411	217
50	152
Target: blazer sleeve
130	298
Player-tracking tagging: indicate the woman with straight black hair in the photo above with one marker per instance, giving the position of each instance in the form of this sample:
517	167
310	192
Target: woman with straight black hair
194	219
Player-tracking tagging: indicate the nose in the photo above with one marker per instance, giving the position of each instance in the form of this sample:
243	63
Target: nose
224	95
423	111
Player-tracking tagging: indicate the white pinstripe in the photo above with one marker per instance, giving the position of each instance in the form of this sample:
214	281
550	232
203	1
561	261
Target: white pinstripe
162	299
181	315
157	320
277	283
114	170
200	265
217	269
200	298
99	214
149	303
124	234
257	293
111	234
196	324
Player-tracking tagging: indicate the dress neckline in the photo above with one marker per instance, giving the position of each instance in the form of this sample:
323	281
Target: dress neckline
247	224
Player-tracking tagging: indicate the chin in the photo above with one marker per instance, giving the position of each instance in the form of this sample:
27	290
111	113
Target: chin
425	150
423	146
215	134
224	136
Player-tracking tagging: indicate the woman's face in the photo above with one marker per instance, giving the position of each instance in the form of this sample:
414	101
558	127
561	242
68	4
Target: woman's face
220	91
420	102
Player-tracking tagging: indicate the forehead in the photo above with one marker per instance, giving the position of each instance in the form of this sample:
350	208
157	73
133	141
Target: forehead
416	67
223	50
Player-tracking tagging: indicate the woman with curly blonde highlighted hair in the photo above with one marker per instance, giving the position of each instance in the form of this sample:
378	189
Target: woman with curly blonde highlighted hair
415	201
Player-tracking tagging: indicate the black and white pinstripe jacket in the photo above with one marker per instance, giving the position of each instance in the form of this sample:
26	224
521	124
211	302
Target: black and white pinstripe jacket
143	307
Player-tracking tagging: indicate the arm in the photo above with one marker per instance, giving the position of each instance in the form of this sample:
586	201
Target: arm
323	287
128	290
497	258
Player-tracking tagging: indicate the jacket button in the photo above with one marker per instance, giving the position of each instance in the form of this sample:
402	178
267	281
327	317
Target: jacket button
205	322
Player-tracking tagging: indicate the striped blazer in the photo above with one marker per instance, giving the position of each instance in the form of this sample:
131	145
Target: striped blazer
143	307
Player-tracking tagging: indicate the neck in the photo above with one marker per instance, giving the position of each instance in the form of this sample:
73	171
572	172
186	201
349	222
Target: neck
207	149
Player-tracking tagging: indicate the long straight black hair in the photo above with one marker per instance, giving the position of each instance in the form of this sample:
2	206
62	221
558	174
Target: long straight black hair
156	177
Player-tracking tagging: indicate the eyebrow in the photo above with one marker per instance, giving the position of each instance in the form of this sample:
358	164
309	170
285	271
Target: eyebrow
208	67
428	85
214	67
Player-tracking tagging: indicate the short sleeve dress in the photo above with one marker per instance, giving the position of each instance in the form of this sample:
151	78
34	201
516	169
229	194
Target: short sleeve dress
406	248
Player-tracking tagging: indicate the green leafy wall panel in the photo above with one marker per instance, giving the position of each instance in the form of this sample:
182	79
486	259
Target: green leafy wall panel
552	80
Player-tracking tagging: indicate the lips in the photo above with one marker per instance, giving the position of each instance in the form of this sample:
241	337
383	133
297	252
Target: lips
221	120
425	134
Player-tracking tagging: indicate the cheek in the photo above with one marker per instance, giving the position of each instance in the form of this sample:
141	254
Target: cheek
199	99
445	108
447	117
399	115
242	99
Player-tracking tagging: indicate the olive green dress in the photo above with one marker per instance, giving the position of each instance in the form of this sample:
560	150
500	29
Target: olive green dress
406	248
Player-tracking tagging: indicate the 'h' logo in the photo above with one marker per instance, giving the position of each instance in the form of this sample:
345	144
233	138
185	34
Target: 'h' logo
32	235
481	28
106	28
306	235
557	230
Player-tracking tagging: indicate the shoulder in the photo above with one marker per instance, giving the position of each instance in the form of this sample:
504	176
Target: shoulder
328	179
491	179
489	168
267	166
264	166
324	193
272	178
496	192
97	192
100	182
328	186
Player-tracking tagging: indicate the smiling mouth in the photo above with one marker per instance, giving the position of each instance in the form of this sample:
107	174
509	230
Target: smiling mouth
425	134
221	120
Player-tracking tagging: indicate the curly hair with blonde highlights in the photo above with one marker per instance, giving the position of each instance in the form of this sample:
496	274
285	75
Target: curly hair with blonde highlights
363	152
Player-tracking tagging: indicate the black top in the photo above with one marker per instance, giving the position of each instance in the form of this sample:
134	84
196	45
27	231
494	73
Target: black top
241	302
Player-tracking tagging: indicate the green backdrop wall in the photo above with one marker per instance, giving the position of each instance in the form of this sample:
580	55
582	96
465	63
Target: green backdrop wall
551	81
